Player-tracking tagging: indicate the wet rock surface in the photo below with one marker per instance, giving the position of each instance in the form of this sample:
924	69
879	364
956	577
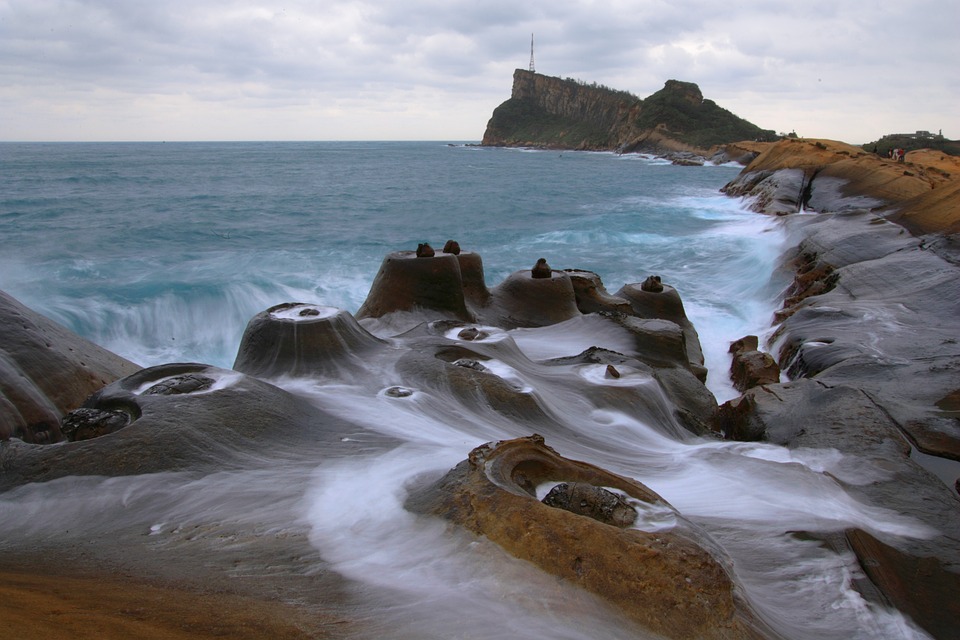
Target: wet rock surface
647	575
867	334
45	372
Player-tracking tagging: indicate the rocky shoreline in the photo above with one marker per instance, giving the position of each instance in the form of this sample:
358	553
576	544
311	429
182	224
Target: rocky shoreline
867	336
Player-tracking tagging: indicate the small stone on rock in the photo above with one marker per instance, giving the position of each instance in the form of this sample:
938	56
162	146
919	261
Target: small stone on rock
652	284
541	269
452	246
424	250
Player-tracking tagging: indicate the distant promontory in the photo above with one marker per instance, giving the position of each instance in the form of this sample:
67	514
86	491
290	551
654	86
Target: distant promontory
557	113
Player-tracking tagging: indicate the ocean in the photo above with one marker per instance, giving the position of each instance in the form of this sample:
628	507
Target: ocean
161	252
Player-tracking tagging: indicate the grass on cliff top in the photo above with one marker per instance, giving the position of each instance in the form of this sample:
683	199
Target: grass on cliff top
523	122
702	124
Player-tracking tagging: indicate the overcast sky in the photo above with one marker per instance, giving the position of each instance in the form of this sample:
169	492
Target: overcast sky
435	69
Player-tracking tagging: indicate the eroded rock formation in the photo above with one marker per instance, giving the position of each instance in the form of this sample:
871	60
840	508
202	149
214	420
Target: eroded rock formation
657	568
46	371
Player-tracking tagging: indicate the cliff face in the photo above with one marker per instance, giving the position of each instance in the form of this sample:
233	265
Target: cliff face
552	112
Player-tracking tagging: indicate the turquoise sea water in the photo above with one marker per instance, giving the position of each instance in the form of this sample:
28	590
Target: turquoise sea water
163	251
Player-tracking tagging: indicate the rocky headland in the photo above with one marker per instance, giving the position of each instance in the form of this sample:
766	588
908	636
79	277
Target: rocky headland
866	339
548	112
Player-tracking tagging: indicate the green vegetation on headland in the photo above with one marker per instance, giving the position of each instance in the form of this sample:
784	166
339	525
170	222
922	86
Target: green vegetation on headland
568	114
912	142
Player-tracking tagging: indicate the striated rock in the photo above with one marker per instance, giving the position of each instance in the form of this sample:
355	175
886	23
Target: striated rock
890	335
222	426
918	574
299	339
668	579
46	371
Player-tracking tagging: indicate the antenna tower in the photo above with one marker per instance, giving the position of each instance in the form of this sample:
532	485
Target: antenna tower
532	70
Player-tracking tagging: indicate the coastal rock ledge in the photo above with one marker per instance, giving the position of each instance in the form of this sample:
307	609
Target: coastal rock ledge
869	340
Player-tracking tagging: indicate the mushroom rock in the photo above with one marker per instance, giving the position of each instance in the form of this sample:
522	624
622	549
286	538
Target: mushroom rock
451	246
407	282
173	423
664	573
46	370
525	300
591	295
664	304
751	367
541	269
471	275
302	339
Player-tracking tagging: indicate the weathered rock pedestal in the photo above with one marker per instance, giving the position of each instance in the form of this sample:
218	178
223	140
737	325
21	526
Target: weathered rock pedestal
299	339
653	299
664	578
750	366
408	282
525	299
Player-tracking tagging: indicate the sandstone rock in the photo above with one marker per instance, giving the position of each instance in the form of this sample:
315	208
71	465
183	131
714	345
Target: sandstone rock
750	366
407	283
666	580
283	341
918	575
664	304
46	371
522	300
220	427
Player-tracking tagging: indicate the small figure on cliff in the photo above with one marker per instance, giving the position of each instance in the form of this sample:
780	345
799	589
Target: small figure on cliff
541	269
424	250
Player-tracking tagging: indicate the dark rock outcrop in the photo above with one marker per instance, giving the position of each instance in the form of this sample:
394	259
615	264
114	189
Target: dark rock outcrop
45	372
669	579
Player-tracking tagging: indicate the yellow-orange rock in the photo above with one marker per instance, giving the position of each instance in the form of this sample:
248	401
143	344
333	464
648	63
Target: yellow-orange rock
664	578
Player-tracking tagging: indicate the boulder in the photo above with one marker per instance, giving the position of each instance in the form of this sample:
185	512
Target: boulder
751	367
667	577
46	370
